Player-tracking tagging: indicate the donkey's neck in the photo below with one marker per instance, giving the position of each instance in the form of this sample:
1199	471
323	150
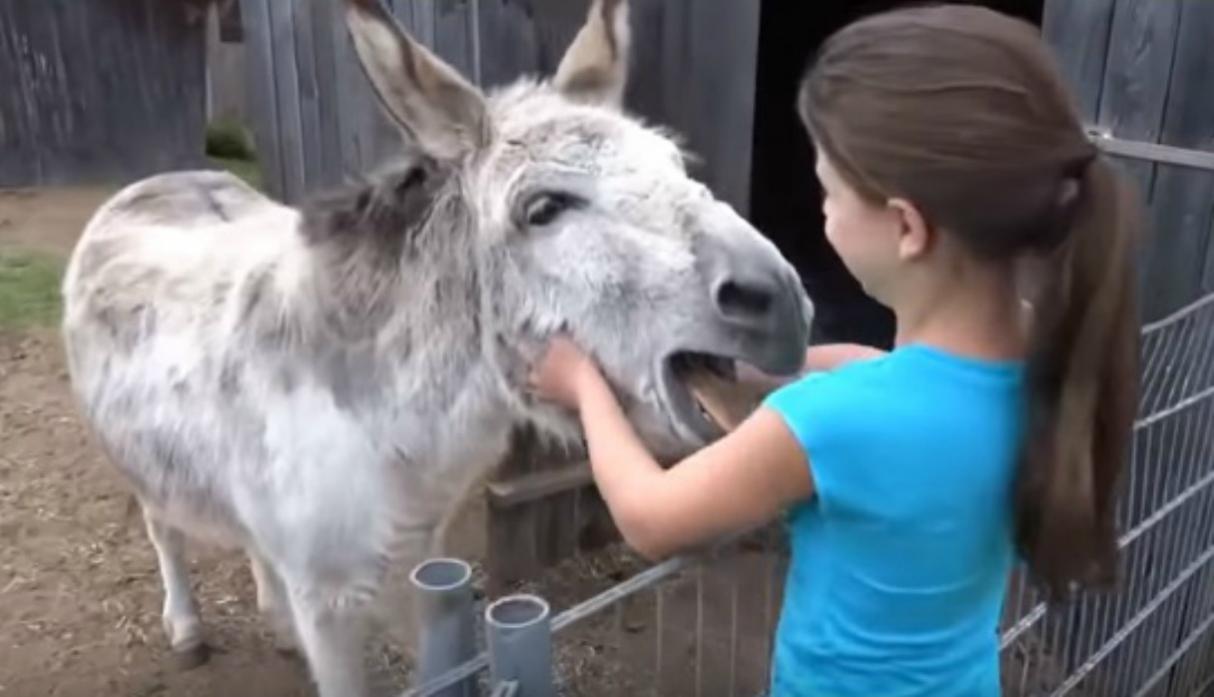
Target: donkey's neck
394	283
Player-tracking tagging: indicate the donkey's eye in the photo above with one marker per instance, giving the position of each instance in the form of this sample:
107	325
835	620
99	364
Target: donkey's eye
544	208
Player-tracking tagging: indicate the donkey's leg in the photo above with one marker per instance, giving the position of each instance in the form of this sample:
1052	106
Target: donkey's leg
333	632
180	615
273	602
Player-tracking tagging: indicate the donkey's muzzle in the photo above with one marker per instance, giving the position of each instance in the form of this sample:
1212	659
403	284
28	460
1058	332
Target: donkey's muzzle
759	299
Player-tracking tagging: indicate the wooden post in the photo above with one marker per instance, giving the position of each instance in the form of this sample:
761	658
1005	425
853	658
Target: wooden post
542	509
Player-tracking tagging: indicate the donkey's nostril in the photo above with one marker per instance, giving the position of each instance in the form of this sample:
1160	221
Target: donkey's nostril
738	300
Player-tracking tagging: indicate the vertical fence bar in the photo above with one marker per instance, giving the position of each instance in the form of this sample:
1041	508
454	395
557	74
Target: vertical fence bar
618	630
700	629
448	638
734	638
660	636
519	633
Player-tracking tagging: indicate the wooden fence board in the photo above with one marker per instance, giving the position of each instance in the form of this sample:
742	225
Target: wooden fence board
286	88
105	91
309	95
328	95
352	92
453	36
722	83
262	94
1189	123
508	42
1079	34
1141	48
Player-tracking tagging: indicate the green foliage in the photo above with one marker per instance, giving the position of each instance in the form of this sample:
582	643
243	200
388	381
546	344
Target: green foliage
29	288
247	170
229	140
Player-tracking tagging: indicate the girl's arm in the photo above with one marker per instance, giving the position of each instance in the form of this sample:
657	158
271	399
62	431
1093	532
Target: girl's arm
831	356
817	359
742	480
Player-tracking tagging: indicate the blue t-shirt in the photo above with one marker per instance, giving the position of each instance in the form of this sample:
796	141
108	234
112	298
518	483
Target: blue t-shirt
901	557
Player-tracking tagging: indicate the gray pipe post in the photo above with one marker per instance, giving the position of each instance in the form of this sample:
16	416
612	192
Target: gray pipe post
446	622
519	633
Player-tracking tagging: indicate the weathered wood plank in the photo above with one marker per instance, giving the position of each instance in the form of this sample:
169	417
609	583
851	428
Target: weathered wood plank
182	43
535	485
55	99
1187	196
309	95
328	98
376	136
418	18
262	95
513	541
1141	47
1079	32
286	87
452	24
13	121
556	535
351	90
508	42
105	91
555	22
722	83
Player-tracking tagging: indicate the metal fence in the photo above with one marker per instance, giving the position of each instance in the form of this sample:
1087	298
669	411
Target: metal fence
1153	636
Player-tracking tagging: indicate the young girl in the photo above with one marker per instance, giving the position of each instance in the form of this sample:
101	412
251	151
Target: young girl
951	156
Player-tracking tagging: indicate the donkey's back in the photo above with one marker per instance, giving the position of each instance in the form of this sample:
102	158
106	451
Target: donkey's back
152	299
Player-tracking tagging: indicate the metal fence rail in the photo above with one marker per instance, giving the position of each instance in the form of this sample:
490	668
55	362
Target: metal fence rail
1152	637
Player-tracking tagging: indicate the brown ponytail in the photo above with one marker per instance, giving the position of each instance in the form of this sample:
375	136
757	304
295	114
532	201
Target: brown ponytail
1083	386
963	111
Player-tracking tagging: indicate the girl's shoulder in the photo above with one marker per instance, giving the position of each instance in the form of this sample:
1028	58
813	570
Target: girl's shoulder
901	382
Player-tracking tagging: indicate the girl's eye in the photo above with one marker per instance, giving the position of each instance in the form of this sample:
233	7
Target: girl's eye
547	207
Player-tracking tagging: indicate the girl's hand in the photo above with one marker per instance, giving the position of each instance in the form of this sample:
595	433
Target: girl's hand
561	371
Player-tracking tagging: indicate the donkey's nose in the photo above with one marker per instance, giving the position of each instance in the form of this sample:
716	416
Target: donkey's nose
757	295
745	300
751	285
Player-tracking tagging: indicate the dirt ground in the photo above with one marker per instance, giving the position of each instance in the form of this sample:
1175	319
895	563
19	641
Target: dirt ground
80	594
79	589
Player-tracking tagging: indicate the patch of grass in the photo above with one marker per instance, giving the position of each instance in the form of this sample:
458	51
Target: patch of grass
248	170
29	288
228	139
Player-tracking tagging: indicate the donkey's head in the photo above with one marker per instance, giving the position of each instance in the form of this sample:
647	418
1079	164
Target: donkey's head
586	220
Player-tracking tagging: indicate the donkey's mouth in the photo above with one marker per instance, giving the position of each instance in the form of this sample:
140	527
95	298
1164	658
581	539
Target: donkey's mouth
703	393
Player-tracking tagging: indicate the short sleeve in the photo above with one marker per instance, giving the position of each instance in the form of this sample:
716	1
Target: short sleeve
823	412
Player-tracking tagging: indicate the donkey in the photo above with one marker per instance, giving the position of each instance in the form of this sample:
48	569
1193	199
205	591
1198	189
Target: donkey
320	386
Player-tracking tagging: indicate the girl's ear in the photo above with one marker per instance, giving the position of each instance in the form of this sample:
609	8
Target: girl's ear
914	234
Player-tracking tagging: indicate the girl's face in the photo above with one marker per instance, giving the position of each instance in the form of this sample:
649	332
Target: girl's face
866	236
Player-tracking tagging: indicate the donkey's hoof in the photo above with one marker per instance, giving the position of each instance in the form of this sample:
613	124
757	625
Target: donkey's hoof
190	657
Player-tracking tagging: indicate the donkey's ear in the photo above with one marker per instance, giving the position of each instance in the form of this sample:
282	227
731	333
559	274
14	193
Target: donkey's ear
443	113
595	67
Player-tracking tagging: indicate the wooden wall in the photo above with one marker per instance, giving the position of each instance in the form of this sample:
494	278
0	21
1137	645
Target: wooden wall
316	121
104	90
227	97
1143	71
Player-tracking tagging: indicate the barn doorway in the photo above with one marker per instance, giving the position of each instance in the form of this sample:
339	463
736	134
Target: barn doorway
784	196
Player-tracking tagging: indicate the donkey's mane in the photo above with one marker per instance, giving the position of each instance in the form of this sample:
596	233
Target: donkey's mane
398	233
391	212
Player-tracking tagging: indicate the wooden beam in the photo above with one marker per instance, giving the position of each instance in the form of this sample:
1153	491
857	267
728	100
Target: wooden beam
539	485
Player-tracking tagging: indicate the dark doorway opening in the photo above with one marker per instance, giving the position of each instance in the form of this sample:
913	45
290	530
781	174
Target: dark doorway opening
785	197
